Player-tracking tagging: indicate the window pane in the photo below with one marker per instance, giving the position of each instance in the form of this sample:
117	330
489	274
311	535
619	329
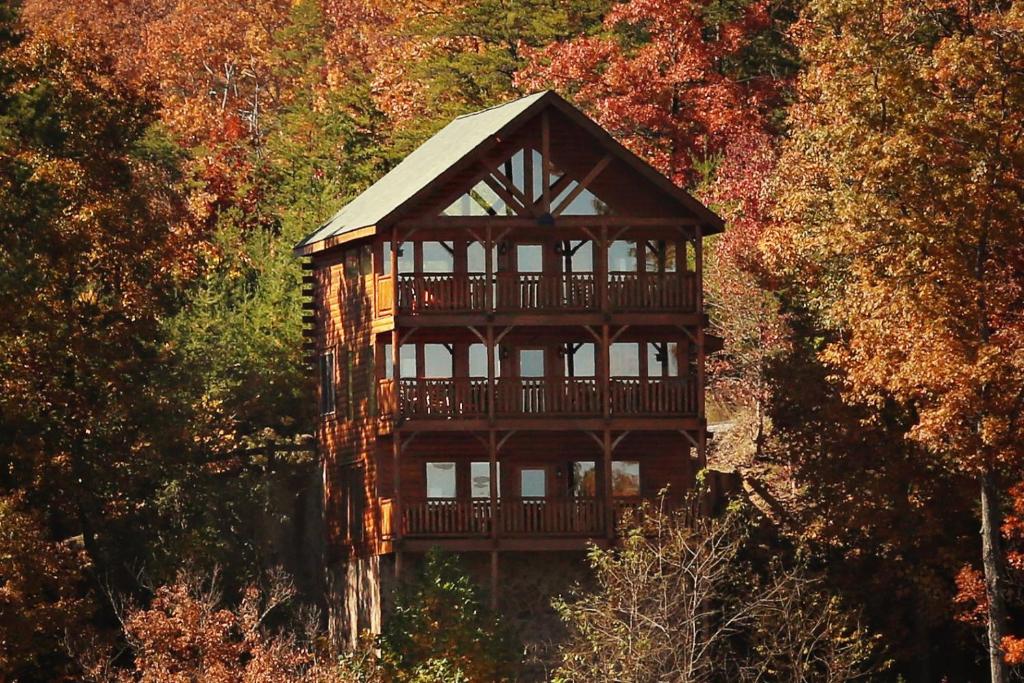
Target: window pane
530	258
663	359
406	258
622	256
480	479
580	256
407	361
625	478
366	259
385	265
437	257
389	366
437	361
583	479
352	262
532	482
476	258
582	362
478	361
531	362
326	383
440	480
660	257
625	359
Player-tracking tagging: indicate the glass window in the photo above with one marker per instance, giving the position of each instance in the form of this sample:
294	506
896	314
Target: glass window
533	482
438	257
440	480
578	256
478	361
622	256
580	360
583	479
385	261
407	360
480	479
660	256
437	361
366	259
625	359
625	478
531	362
327	383
476	258
352	262
662	359
389	366
530	258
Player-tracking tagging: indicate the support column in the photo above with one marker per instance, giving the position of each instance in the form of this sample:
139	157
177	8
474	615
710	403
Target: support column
396	436
609	511
702	423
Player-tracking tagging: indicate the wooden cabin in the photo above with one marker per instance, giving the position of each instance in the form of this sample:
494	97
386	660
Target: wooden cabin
508	332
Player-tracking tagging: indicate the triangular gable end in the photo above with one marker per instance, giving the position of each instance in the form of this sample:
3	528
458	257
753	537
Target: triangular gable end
515	188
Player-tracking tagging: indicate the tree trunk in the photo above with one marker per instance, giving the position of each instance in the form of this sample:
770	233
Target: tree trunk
992	561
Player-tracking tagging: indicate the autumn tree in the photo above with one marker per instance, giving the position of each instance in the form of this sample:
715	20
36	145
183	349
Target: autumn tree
43	595
680	600
901	195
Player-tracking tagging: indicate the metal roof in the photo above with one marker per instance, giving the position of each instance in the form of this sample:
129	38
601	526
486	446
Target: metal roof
455	142
435	156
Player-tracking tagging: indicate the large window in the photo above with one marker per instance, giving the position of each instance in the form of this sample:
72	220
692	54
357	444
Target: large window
478	361
440	480
438	361
327	401
622	257
529	258
625	478
578	256
438	257
531	362
406	259
662	359
580	359
480	479
583	479
660	256
625	359
476	258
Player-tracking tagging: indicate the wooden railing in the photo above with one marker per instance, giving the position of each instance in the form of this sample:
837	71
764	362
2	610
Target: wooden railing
450	398
652	396
446	517
513	292
652	291
543	396
455	517
566	516
442	398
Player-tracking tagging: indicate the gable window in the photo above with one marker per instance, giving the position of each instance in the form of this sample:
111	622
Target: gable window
327	401
440	480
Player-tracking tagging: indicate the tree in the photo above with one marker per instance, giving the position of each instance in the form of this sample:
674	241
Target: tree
680	601
439	629
42	595
900	193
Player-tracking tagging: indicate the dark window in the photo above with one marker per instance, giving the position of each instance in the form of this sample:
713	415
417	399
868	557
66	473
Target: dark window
327	383
625	478
352	262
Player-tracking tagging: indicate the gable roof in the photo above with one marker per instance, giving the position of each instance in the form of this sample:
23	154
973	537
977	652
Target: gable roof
455	143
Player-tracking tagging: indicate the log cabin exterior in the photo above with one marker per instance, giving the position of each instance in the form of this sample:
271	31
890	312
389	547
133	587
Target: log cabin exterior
509	335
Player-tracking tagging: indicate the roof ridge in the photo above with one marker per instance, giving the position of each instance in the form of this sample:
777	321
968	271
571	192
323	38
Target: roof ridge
499	106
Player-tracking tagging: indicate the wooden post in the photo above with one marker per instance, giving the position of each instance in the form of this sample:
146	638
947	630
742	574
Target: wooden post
489	270
702	423
396	436
609	512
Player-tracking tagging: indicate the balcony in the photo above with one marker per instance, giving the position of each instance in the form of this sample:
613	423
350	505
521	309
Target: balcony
439	518
534	292
469	398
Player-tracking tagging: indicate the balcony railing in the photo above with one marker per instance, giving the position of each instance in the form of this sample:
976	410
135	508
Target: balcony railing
457	517
526	292
467	398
